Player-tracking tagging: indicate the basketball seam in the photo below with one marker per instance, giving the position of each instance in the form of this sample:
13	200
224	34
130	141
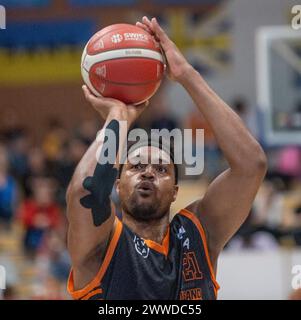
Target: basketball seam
127	48
83	60
144	58
124	83
127	57
127	84
132	84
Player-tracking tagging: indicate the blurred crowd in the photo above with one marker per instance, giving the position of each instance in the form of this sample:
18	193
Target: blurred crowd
33	183
34	178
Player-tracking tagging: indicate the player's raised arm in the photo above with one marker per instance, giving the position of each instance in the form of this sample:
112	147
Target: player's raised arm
228	199
89	210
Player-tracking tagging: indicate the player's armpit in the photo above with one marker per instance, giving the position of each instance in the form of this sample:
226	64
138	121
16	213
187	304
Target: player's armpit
225	206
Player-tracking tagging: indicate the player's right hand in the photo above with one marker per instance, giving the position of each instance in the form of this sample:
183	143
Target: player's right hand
116	108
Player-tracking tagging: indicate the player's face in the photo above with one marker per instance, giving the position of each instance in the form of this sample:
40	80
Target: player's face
146	186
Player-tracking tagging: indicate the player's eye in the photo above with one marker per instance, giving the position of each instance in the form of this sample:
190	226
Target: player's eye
138	166
161	169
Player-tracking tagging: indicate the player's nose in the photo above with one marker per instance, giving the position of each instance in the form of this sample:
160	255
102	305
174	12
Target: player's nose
148	173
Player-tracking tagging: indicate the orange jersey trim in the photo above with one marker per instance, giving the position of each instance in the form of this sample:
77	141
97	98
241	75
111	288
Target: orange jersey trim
162	248
200	228
77	294
91	294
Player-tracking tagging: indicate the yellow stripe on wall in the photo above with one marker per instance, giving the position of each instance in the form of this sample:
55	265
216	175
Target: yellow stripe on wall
62	65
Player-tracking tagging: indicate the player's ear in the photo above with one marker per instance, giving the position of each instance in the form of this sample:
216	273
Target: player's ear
117	183
175	192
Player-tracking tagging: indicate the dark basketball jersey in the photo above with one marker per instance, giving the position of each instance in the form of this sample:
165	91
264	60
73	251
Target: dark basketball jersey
135	268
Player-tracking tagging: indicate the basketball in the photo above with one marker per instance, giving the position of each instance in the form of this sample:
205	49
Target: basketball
124	62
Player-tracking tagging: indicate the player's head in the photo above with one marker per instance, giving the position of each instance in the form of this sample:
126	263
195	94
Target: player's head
147	183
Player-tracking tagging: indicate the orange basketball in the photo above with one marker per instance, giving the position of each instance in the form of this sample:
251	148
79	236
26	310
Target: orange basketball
124	62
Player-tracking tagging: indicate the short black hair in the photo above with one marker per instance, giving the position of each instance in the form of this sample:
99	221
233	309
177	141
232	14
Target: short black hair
159	143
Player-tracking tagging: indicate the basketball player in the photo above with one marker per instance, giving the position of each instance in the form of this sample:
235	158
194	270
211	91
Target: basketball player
146	256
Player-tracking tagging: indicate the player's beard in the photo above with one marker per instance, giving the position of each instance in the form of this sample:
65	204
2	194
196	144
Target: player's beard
144	209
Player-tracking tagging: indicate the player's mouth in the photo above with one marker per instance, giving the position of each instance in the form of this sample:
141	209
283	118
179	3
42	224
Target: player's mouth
145	188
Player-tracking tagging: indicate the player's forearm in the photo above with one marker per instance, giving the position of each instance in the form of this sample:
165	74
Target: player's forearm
239	147
88	203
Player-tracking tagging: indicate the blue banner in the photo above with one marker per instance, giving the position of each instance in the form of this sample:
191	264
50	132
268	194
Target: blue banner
52	33
103	2
24	3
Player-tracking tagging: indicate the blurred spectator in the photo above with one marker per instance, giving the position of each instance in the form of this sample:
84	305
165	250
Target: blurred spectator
8	190
52	267
54	140
259	240
195	120
161	117
37	166
275	219
297	230
49	289
247	114
59	266
289	161
64	168
269	207
87	131
253	234
18	155
39	213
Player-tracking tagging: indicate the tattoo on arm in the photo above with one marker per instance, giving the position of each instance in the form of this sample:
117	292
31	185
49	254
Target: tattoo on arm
101	183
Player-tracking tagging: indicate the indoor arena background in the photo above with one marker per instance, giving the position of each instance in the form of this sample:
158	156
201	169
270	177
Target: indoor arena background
46	126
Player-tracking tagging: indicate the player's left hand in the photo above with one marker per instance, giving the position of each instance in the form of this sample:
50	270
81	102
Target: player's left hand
177	65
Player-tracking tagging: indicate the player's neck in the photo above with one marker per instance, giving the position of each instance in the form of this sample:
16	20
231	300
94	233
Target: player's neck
154	230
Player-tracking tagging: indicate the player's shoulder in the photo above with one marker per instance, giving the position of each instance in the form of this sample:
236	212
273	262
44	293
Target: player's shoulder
189	219
184	214
186	217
